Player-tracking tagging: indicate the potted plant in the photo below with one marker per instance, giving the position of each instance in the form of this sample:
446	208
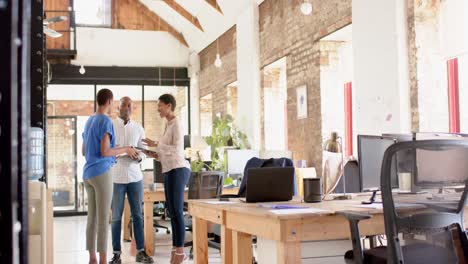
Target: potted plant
225	135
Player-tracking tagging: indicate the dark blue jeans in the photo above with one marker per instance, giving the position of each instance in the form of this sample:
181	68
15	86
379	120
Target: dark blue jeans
174	185
134	193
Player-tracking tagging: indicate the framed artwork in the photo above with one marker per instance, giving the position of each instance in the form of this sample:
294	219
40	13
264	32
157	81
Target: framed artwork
301	95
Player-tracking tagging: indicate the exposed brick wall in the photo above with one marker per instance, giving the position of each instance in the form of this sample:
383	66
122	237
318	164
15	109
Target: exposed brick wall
214	80
284	31
412	66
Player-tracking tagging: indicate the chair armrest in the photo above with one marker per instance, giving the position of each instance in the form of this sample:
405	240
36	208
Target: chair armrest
354	218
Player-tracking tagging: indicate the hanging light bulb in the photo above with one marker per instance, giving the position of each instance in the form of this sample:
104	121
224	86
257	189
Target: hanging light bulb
82	70
306	7
218	63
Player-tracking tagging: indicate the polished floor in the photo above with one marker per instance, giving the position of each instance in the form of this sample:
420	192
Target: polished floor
70	244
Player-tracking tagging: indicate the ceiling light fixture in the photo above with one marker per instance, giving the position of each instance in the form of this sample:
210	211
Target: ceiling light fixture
218	62
82	70
306	7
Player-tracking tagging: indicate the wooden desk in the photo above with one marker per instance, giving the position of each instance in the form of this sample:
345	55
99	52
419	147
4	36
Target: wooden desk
240	221
149	198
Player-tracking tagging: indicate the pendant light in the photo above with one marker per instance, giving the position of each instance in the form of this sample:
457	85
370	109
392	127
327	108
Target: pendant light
306	7
82	70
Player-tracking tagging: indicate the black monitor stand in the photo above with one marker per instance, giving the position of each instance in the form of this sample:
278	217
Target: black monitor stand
372	198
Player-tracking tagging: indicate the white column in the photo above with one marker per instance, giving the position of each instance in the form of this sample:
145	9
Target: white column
381	88
194	72
248	74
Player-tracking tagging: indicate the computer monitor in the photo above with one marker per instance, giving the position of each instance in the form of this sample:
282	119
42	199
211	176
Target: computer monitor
430	164
399	137
439	135
440	167
371	150
237	158
404	159
157	172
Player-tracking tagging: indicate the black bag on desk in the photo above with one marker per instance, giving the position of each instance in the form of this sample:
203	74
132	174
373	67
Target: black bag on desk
260	163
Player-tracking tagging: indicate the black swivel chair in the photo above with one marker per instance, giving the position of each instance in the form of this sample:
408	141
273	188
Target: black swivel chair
422	228
204	185
159	178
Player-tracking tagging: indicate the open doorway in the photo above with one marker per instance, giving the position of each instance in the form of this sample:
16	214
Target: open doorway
275	136
336	77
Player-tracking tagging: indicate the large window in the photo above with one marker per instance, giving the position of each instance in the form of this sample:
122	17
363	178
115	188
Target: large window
274	106
68	109
67	112
93	12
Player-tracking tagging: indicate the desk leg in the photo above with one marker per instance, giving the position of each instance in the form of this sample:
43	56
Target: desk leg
288	252
226	245
126	221
200	240
148	226
242	247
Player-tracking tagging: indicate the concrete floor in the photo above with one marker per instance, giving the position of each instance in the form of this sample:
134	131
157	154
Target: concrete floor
70	244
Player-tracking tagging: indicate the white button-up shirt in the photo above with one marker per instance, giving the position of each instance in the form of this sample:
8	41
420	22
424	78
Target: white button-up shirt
171	147
128	170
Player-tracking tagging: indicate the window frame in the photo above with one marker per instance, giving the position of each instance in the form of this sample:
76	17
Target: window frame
103	25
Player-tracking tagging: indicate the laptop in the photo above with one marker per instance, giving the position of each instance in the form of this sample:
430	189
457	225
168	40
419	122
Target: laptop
270	184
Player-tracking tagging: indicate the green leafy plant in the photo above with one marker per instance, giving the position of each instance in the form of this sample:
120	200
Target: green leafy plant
198	164
225	134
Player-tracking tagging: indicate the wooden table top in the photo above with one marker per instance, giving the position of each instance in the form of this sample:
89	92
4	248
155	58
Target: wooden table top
329	207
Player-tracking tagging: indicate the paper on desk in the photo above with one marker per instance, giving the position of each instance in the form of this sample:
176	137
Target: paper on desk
380	205
221	202
307	210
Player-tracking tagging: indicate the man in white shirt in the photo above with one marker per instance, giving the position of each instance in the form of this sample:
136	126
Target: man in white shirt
128	179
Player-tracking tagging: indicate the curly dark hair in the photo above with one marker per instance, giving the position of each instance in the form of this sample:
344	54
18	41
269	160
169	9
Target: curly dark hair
168	99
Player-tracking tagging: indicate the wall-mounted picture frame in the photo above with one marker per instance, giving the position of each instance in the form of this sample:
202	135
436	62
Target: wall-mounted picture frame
301	95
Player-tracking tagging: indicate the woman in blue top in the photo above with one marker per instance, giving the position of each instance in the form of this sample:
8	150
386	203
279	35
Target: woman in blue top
100	151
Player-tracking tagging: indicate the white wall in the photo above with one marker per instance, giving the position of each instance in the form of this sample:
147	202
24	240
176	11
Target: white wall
248	76
134	48
463	92
439	37
432	74
381	88
454	43
454	27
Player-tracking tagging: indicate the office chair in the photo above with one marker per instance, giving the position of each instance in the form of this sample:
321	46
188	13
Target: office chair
159	211
204	185
421	228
